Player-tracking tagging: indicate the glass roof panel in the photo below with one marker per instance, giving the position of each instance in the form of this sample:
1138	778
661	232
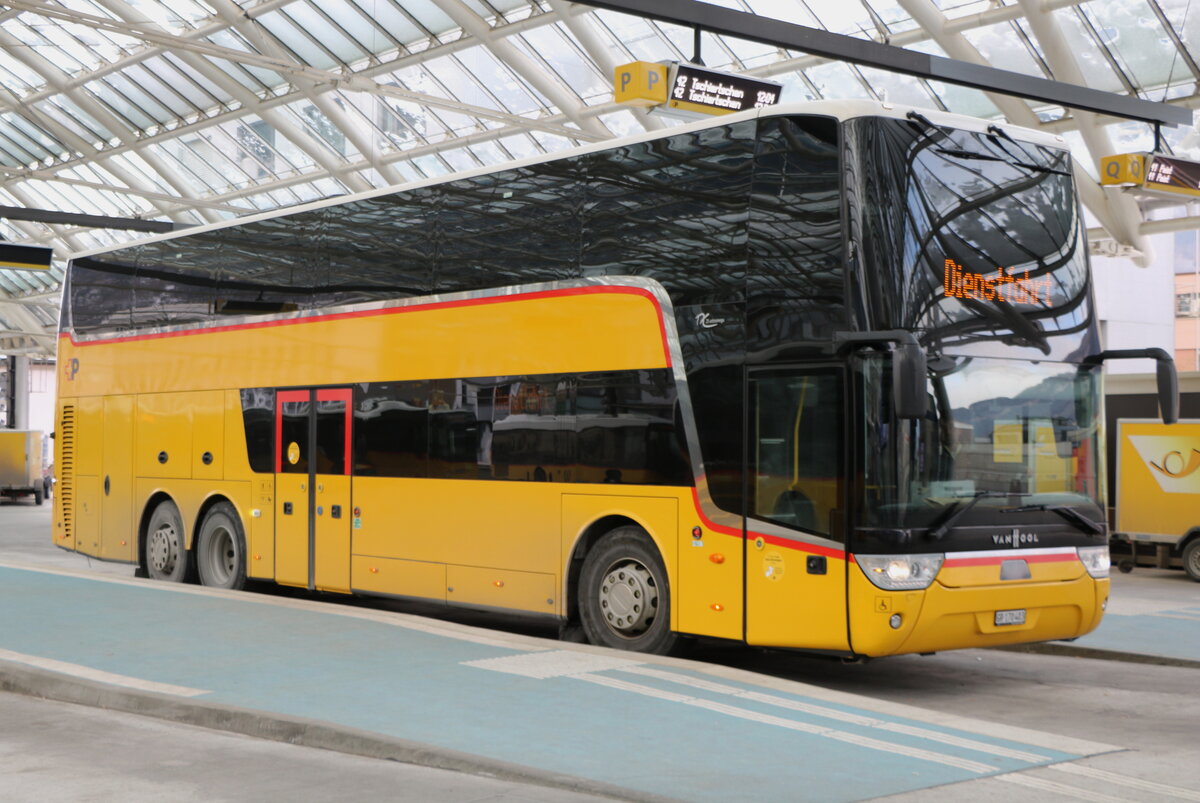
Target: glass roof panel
1081	38
120	104
429	16
16	77
279	25
367	37
392	20
565	59
836	80
1004	48
197	89
329	33
1137	40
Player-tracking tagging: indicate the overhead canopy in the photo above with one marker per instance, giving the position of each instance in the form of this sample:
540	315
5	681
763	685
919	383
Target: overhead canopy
195	111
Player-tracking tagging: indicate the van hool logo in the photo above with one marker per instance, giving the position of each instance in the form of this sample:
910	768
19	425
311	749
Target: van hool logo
1015	539
1173	461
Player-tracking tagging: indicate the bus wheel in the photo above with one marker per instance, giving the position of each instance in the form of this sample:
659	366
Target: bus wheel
221	548
1191	559
166	558
624	601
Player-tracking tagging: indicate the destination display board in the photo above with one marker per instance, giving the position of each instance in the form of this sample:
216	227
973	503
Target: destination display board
689	90
25	257
696	89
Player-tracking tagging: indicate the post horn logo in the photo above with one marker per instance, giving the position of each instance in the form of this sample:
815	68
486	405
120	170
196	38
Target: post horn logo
1173	461
1174	465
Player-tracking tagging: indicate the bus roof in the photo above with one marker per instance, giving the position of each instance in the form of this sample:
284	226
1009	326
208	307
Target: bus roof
840	110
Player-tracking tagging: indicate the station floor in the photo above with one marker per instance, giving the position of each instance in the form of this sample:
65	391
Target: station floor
386	684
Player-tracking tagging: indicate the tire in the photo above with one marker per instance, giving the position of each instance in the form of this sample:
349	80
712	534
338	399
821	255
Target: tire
38	496
221	548
624	599
166	557
1191	559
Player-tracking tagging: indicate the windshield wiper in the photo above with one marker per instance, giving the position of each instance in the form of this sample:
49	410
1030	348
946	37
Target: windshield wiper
957	511
1067	512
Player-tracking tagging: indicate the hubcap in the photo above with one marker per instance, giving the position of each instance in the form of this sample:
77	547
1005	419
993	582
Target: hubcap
628	598
221	555
162	551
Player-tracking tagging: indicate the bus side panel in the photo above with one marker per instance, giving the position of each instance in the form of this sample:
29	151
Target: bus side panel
260	532
657	515
118	539
208	434
89	449
164	435
794	598
709	596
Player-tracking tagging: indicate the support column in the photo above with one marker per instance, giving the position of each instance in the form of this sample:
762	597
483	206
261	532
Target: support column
18	365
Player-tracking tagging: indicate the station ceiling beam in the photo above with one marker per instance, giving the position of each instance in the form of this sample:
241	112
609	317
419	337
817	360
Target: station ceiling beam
787	35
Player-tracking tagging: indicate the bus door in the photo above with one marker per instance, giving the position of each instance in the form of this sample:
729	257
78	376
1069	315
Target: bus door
795	558
312	482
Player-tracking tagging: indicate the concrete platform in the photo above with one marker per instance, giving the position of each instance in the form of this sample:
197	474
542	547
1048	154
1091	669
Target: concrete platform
393	685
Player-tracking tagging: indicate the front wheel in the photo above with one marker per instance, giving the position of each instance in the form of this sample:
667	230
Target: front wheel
624	600
221	548
1191	559
166	555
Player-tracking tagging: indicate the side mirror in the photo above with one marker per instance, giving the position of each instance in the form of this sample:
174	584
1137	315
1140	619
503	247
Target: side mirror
909	372
1168	389
909	367
1168	378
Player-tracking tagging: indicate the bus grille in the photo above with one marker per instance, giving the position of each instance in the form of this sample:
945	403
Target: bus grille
65	470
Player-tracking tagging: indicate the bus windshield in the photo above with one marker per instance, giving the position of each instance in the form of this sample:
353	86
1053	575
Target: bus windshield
999	434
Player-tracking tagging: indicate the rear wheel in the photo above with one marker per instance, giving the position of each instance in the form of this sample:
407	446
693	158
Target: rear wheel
1191	559
166	557
221	548
38	498
624	600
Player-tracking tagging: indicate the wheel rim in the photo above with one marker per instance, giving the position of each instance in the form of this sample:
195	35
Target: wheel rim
1194	561
220	557
163	549
628	598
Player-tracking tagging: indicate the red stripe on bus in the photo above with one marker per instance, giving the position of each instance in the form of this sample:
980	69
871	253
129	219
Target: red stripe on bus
338	316
774	540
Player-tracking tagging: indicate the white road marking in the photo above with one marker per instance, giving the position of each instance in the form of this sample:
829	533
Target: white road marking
555	663
88	673
841	716
1191	617
1043	785
804	727
1126	780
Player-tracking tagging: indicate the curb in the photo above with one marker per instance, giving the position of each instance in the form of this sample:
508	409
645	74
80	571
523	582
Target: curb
46	684
1095	653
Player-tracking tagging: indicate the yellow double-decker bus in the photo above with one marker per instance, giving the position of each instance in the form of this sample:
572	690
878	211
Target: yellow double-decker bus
820	376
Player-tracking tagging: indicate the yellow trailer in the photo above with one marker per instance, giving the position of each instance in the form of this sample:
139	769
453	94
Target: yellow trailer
21	464
1158	489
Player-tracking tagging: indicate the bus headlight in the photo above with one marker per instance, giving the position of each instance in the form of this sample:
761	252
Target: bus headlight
900	572
1095	559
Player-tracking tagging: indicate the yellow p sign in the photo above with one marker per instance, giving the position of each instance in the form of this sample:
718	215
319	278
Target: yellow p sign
640	83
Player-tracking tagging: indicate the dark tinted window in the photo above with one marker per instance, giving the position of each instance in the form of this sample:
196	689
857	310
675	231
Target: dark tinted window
331	437
392	429
258	419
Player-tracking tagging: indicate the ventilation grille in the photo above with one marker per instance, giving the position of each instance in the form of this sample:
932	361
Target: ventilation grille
65	470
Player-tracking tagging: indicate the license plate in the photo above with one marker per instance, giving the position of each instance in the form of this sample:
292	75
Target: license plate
1016	617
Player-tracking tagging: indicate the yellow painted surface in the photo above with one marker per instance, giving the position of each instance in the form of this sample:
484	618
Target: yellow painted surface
208	434
569	333
941	618
118	533
500	588
291	529
640	83
331	560
164	435
1122	169
1158	482
407	578
709	596
788	606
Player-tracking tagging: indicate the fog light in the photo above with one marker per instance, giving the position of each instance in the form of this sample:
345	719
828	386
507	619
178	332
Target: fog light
896	621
